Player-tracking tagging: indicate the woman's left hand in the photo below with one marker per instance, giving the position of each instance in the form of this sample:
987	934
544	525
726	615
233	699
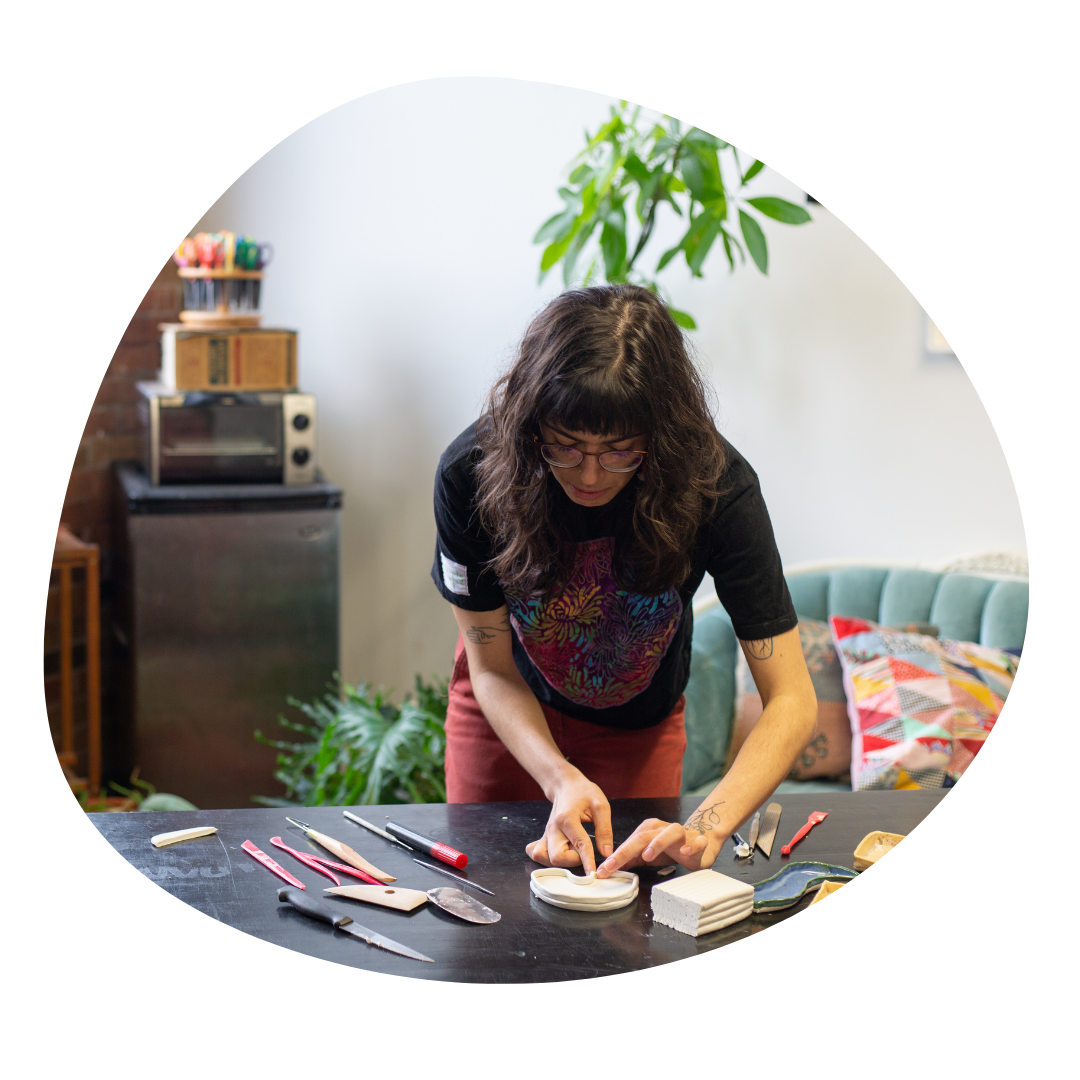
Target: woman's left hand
659	843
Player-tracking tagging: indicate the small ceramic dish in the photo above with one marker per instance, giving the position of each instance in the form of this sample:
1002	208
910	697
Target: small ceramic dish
872	846
557	886
790	884
826	888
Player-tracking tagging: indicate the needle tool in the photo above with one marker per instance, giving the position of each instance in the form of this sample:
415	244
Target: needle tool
375	829
457	877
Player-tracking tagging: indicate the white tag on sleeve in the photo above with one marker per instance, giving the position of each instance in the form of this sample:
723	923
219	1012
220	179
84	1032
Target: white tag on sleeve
455	576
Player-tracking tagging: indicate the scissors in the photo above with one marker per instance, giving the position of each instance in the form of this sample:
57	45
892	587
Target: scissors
315	862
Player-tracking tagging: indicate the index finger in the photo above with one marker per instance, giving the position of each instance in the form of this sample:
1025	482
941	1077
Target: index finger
579	840
605	840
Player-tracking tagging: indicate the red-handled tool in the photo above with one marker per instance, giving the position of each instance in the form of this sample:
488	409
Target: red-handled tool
442	852
308	860
324	866
273	867
814	819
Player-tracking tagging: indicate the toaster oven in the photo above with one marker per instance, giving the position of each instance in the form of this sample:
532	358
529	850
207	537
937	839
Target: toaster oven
236	437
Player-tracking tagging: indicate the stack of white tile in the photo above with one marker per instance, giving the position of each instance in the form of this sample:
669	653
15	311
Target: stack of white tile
701	902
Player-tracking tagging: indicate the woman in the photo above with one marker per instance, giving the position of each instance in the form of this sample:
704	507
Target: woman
576	519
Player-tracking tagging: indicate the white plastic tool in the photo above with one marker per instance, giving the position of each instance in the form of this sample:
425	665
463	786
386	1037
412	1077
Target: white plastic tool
557	886
701	902
163	839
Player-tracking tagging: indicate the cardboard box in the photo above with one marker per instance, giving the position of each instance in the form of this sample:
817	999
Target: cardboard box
255	359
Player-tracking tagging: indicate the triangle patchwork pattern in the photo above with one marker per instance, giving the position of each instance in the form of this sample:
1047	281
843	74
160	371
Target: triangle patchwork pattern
924	706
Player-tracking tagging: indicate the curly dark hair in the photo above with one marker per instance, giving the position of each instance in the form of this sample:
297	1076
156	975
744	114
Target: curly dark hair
607	360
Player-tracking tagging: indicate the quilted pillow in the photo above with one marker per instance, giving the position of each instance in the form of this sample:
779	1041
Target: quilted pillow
828	753
920	708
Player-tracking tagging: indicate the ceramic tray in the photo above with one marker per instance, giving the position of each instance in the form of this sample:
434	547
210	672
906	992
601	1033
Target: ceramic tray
826	888
873	846
788	887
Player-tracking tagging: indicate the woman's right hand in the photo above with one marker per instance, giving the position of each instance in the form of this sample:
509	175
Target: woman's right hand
565	841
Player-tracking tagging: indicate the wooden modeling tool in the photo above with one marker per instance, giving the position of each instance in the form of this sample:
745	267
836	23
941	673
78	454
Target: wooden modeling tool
342	851
163	839
453	901
815	818
769	824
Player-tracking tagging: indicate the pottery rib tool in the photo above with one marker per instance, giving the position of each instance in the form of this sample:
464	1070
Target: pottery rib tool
342	851
163	839
375	829
311	907
768	828
701	902
457	877
453	901
815	818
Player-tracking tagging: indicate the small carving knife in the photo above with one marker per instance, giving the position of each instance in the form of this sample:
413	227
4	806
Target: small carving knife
745	849
311	907
769	824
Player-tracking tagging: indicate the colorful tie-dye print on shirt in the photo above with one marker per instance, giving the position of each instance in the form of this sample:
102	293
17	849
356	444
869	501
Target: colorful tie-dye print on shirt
596	644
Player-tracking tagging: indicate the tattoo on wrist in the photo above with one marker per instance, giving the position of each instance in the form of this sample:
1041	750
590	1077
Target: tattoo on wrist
706	819
485	635
760	650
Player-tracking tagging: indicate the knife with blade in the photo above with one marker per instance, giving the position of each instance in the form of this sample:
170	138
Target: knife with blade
769	825
311	907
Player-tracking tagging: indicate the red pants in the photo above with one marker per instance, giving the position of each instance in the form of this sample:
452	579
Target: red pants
624	764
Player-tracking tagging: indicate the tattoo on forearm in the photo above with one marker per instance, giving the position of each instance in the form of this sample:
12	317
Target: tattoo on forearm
760	650
817	749
705	819
485	635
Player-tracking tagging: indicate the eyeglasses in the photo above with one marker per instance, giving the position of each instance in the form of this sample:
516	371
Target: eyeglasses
614	461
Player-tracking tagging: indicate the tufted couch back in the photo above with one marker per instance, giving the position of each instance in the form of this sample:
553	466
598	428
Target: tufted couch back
966	607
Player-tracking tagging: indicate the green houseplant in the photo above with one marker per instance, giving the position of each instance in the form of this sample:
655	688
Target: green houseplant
639	164
360	748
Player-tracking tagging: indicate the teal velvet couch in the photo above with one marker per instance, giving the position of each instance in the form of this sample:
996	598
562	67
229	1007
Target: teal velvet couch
991	610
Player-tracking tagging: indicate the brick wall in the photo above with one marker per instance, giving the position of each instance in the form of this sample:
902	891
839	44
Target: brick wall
111	434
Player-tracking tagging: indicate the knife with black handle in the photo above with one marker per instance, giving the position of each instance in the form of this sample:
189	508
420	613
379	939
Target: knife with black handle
315	909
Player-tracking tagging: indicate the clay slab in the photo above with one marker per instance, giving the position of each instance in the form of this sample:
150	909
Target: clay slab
701	902
558	886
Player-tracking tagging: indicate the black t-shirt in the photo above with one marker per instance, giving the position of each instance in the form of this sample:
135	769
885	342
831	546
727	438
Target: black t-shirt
597	652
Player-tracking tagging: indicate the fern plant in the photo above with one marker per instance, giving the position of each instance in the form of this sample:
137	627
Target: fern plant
360	748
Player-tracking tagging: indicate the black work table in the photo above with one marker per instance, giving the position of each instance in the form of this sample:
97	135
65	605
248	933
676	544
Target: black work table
534	942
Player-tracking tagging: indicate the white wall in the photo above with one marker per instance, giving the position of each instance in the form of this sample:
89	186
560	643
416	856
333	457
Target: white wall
402	225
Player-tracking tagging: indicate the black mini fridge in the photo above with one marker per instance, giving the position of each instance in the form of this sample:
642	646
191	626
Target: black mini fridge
228	604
